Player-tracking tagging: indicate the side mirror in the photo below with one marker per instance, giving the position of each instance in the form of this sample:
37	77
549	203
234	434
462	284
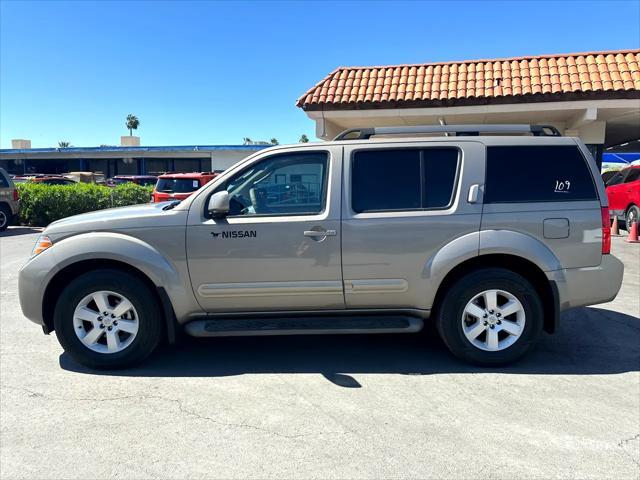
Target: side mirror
219	204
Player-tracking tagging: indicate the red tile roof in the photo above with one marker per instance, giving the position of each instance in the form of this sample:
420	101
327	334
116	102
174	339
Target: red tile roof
472	82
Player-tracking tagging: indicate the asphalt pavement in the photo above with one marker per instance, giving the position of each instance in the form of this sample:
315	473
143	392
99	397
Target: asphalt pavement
365	406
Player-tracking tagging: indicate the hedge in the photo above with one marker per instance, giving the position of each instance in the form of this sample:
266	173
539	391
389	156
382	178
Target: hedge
42	204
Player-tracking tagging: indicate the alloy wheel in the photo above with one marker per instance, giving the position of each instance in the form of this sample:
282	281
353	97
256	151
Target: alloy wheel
105	322
493	320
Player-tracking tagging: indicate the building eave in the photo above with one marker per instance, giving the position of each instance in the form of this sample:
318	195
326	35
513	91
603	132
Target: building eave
475	101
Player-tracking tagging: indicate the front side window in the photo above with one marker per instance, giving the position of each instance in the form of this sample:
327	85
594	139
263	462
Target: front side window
517	174
403	179
287	184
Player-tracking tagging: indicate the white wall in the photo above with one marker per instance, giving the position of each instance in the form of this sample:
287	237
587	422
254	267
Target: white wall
223	159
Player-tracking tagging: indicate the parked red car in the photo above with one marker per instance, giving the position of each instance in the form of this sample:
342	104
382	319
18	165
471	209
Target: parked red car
623	191
178	186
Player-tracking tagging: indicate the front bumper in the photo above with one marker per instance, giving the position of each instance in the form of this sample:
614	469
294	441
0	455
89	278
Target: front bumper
578	287
32	281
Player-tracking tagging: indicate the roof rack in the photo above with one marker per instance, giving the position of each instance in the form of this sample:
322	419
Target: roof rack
458	130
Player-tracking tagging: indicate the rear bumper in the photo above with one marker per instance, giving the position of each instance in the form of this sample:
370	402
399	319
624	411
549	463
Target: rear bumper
578	287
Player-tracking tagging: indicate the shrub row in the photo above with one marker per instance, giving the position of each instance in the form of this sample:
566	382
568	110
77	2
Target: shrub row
42	204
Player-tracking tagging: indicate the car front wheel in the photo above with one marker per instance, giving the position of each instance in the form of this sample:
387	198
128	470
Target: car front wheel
633	213
108	319
490	317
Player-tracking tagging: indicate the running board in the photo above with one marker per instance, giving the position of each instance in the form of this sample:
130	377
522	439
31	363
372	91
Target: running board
302	326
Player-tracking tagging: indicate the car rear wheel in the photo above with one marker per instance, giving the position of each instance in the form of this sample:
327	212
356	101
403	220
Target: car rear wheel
108	319
5	217
490	317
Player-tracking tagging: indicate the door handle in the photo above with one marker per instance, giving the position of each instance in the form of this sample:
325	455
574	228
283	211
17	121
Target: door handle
320	233
474	190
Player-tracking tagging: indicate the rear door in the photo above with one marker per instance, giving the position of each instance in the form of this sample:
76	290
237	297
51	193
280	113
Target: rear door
615	189
632	188
402	203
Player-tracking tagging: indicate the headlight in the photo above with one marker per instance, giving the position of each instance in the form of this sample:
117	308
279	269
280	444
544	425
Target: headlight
42	243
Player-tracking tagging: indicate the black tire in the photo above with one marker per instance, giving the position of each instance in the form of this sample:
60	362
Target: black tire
632	215
5	216
449	315
150	319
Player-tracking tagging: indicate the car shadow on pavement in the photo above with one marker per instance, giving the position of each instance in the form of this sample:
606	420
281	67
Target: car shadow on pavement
590	341
15	231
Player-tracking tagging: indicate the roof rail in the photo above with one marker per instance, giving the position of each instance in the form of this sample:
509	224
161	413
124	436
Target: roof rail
458	130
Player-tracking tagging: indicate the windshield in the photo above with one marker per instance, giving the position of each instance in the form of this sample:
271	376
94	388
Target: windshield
177	185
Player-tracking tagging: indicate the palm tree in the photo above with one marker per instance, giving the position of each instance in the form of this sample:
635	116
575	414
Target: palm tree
63	144
132	123
303	138
274	141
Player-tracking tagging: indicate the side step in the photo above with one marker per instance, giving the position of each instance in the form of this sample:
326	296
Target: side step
303	326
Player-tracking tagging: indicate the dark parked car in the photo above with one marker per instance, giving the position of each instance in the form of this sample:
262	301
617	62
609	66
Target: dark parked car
52	181
143	180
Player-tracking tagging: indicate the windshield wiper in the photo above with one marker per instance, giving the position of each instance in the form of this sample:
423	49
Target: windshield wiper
171	205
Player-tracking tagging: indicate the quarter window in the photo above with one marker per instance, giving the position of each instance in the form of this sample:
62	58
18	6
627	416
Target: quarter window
537	174
403	179
288	184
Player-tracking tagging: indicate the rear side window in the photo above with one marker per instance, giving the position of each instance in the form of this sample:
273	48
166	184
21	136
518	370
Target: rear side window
4	183
537	174
403	179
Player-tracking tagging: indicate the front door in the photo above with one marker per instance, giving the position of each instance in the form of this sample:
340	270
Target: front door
279	247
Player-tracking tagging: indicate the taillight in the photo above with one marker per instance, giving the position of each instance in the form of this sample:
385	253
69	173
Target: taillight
606	231
16	195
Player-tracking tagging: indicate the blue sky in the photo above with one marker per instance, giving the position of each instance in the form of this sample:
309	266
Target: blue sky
214	72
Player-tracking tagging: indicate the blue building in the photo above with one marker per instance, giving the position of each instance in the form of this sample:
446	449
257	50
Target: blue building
124	160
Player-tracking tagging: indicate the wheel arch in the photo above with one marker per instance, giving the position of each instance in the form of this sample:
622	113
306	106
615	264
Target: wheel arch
628	207
6	206
546	289
67	274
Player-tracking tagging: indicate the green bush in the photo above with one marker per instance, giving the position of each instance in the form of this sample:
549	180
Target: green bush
42	204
